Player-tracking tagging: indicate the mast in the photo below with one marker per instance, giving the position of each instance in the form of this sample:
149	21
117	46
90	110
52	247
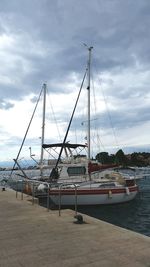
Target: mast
43	129
88	88
54	173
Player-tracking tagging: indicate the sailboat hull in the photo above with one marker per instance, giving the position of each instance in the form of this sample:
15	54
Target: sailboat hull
96	196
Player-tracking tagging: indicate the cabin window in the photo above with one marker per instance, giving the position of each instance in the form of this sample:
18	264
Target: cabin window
107	185
76	171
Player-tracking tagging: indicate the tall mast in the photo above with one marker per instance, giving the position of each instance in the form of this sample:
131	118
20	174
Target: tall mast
43	127
88	88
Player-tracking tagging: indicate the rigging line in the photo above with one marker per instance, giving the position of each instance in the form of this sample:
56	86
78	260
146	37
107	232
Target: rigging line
99	141
26	132
54	116
109	116
75	133
54	171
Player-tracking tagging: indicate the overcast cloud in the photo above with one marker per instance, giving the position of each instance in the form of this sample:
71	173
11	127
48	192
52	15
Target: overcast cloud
42	41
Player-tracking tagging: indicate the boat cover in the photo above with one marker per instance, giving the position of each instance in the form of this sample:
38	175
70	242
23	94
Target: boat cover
66	145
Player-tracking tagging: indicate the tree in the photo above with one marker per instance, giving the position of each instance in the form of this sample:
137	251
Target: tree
121	158
103	157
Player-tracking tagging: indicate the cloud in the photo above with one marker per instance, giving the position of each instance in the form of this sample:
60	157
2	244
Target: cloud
5	105
42	41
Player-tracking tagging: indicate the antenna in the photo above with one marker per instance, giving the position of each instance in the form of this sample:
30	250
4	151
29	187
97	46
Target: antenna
88	47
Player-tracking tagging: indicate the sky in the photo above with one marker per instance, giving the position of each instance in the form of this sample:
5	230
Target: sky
42	41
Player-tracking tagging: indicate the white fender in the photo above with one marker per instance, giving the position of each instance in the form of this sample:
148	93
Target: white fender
127	191
41	187
110	194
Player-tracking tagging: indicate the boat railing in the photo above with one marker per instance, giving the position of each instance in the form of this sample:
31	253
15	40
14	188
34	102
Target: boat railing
17	187
28	187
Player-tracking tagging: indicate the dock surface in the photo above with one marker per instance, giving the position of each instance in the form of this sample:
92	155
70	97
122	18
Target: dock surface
32	236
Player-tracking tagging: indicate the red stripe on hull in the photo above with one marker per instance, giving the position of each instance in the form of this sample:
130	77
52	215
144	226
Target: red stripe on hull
95	191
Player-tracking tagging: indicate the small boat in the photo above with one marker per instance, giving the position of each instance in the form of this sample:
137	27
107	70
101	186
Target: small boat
94	193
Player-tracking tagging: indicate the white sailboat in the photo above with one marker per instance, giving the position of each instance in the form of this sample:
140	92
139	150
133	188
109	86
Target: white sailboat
79	178
76	183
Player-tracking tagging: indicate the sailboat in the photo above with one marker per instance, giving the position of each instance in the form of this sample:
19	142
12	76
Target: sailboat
77	181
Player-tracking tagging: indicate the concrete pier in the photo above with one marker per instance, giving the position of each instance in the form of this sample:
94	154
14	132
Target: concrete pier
31	236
